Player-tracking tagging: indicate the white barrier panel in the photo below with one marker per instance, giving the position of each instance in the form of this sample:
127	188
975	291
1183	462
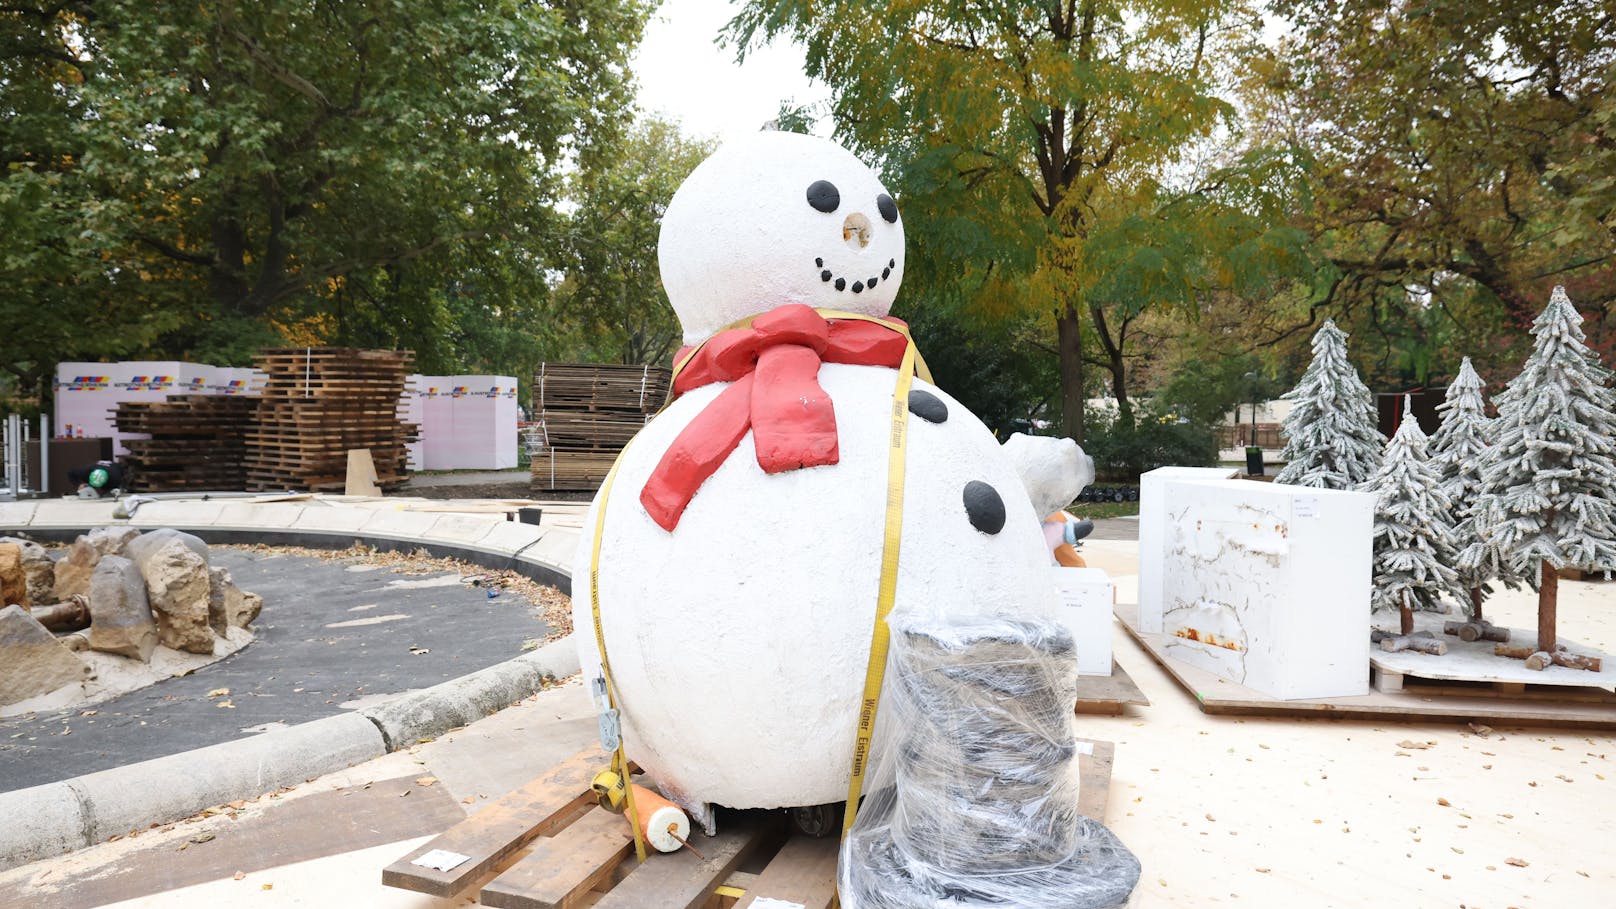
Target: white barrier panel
1086	600
1268	585
411	410
88	393
468	422
1153	517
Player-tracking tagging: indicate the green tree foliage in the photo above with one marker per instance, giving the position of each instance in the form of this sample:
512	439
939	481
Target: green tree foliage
1464	159
187	178
1028	142
611	306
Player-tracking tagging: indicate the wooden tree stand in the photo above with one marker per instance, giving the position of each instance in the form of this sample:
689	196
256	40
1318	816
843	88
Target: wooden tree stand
547	845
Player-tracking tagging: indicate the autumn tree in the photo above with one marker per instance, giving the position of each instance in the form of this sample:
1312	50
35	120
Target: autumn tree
1030	144
1463	158
611	305
362	170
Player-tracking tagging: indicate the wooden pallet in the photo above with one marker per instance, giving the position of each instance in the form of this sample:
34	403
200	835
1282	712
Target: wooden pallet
317	405
192	442
547	845
587	413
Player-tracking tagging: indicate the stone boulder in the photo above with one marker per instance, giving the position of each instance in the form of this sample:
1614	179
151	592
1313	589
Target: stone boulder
40	569
229	605
149	541
74	570
13	579
121	619
110	540
178	588
35	662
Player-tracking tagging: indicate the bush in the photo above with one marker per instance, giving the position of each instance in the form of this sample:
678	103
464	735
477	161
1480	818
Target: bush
1123	449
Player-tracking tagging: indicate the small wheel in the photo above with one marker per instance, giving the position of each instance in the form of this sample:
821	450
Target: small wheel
1117	495
818	821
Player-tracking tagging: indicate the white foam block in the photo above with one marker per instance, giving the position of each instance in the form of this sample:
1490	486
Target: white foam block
1268	585
1086	600
1152	521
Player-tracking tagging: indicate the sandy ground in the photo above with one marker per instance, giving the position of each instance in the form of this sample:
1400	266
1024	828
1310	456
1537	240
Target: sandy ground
1224	811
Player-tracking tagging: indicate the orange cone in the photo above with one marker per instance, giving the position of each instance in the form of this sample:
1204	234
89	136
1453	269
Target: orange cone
662	823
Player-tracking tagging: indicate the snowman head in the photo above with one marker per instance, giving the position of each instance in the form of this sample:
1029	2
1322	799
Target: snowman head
778	218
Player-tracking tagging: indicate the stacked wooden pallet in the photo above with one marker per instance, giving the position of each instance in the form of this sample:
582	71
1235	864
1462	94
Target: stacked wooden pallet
318	404
587	413
194	442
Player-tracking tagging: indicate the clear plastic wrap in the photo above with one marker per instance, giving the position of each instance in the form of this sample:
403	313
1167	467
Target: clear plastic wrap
971	799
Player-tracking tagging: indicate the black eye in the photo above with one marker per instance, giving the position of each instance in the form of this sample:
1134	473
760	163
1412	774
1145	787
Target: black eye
889	208
822	195
984	507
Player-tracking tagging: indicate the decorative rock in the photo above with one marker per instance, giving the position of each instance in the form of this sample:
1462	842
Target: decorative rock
148	542
121	619
111	540
74	570
178	589
35	662
39	567
13	580
229	605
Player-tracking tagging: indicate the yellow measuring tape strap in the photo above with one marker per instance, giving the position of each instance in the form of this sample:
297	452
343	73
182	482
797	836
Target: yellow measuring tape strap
875	672
619	761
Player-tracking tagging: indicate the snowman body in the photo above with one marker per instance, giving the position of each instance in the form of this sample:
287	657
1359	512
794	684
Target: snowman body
739	639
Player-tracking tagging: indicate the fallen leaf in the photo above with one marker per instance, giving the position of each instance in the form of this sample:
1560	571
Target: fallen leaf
238	804
1263	870
404	793
1417	746
467	800
225	704
1457	849
1517	862
88	712
1444	803
202	838
218	692
269	887
1481	729
426	781
240	875
1211	818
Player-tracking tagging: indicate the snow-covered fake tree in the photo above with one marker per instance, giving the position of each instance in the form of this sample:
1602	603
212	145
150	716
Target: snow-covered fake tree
1330	437
1550	475
1457	449
1413	528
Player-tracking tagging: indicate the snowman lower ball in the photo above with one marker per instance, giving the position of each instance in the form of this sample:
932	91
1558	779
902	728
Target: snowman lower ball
741	550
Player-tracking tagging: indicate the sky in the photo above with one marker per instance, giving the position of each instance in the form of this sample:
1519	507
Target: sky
685	77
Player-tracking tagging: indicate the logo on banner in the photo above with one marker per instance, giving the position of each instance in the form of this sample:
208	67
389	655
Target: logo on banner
147	383
235	386
196	384
86	383
460	391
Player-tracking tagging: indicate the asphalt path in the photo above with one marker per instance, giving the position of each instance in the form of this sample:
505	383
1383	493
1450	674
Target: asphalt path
331	634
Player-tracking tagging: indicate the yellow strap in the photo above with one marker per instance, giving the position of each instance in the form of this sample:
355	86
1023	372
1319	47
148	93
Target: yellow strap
875	672
619	761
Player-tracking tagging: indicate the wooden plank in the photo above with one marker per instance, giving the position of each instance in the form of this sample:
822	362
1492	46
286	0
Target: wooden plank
1216	695
361	479
1107	695
503	826
561	869
803	872
680	880
1094	775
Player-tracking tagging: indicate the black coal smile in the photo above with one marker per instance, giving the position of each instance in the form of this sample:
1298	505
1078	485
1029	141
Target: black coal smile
858	286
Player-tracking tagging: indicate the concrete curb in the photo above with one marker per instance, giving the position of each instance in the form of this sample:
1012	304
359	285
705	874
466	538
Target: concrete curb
409	718
56	818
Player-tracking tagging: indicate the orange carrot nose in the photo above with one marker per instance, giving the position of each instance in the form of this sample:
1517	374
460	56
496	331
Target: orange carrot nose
662	823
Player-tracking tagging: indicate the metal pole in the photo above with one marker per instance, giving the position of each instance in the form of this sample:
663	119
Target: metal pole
22	451
44	453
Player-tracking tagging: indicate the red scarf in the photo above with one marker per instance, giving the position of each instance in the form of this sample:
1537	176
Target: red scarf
774	370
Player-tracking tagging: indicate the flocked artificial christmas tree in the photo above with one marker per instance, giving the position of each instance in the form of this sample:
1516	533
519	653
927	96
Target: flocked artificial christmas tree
1550	474
1330	437
1413	529
1457	449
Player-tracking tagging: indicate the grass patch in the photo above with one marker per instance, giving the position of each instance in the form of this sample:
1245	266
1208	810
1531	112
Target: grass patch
1098	510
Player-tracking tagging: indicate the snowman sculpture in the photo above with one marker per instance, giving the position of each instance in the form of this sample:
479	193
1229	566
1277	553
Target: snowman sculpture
742	542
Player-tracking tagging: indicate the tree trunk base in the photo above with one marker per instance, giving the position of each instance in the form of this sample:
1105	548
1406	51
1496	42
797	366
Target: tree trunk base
1539	660
1420	642
1476	631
